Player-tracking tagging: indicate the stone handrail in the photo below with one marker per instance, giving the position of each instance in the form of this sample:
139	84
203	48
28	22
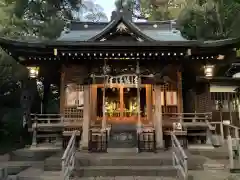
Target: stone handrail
68	158
179	157
231	129
232	140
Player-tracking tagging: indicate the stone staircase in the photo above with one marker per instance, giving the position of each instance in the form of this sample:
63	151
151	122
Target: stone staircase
117	164
18	161
125	164
46	165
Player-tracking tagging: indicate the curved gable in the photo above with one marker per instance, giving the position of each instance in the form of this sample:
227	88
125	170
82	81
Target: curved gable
119	29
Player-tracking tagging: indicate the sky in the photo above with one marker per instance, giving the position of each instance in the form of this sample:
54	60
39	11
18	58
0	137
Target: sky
107	5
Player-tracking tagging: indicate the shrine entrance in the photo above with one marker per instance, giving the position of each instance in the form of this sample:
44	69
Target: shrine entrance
122	112
121	104
127	98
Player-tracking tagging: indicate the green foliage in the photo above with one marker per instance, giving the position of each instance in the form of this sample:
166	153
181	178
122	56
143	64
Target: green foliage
152	10
36	19
238	53
26	19
212	19
11	74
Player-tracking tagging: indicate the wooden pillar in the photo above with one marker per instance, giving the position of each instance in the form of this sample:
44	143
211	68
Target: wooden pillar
149	102
139	122
189	101
62	91
180	94
86	118
104	119
121	101
158	117
46	91
94	102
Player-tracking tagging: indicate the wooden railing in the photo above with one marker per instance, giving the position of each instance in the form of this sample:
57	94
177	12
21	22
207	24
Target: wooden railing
189	117
68	158
53	126
195	125
179	158
47	120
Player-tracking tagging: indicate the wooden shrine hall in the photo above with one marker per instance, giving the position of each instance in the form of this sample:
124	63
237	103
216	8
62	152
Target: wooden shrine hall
123	73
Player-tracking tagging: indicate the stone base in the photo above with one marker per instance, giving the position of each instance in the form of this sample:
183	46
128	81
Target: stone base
83	145
83	148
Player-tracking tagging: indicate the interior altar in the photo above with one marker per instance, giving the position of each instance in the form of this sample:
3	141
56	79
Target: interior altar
121	103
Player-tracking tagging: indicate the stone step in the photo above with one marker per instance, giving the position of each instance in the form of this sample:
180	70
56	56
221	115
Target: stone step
97	171
123	150
128	161
118	159
126	178
216	153
28	154
15	167
53	163
38	174
12	177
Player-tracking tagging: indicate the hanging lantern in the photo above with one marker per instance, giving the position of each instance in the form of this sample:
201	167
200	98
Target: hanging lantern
208	70
33	72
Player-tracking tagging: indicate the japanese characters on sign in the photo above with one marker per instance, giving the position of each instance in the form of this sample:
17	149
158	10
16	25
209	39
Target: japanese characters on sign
123	79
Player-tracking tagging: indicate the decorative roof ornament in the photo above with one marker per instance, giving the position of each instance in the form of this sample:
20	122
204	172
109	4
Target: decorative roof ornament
125	7
122	28
103	39
140	39
189	52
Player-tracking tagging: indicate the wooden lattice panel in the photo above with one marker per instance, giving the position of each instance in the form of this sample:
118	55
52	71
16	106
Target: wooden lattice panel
73	111
203	101
229	108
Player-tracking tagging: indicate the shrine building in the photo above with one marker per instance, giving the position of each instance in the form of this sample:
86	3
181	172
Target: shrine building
142	74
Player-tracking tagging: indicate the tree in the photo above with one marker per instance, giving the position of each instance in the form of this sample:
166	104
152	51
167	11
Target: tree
153	10
40	16
92	12
212	19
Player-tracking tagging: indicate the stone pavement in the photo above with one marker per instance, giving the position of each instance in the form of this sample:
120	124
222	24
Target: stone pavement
212	175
